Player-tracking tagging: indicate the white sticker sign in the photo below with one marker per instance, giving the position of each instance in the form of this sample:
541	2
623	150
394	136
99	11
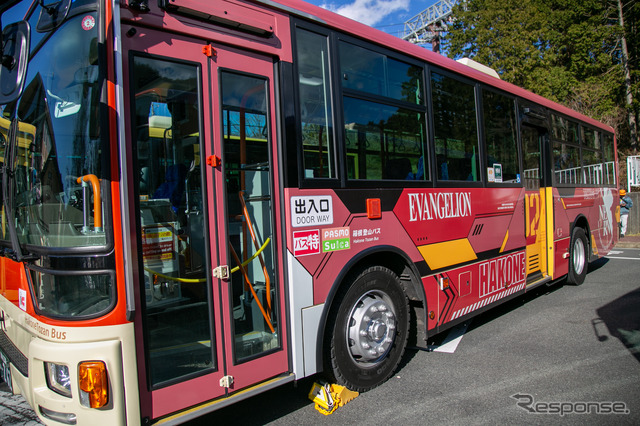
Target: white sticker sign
312	210
22	299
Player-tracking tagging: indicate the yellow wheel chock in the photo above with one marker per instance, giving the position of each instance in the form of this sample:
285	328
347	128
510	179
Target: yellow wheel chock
328	398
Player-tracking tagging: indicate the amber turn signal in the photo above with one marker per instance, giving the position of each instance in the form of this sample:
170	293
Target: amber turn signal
94	387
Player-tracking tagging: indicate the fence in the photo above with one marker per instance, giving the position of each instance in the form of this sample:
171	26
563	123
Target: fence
595	174
633	171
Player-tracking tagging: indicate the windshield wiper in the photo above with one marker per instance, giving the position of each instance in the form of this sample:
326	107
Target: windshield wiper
8	184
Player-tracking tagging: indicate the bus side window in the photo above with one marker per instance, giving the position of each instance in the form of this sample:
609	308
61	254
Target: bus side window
385	135
455	129
500	138
315	105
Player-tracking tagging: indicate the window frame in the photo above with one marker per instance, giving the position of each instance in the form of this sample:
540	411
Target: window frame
479	130
297	147
337	95
430	179
581	146
419	108
517	141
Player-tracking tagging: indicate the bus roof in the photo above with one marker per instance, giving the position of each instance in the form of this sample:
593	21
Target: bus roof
308	11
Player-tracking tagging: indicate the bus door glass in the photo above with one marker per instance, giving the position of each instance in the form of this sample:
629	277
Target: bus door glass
244	140
202	143
535	211
180	325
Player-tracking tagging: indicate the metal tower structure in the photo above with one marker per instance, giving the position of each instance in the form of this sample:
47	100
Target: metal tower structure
426	26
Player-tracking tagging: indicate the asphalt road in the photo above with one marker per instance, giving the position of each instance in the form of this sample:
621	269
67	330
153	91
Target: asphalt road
558	344
559	354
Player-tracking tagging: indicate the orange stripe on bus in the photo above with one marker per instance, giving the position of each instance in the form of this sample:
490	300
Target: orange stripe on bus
441	255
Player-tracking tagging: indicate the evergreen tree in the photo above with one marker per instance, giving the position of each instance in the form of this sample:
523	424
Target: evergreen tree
570	51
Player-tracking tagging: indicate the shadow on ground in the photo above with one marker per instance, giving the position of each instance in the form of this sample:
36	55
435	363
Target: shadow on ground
622	318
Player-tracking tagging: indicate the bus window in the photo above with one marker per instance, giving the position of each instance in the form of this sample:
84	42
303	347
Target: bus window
500	138
563	129
592	167
315	105
455	129
383	139
386	140
249	212
609	160
531	158
171	228
372	72
591	138
567	170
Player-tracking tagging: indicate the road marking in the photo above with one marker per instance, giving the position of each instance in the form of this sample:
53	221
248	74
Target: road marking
624	258
625	252
453	339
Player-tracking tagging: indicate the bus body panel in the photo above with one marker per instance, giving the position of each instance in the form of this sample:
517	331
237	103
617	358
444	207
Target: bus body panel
323	232
278	44
70	346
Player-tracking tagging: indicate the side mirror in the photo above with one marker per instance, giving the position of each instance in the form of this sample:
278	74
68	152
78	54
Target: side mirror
52	15
15	58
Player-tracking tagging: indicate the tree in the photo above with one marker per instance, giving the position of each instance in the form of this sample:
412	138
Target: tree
570	51
628	85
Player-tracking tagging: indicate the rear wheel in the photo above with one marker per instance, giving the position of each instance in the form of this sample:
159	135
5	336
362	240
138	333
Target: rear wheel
578	256
367	330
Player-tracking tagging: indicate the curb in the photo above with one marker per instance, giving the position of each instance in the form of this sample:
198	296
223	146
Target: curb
630	241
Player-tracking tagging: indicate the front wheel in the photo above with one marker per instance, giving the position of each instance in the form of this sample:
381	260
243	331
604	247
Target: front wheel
578	256
367	330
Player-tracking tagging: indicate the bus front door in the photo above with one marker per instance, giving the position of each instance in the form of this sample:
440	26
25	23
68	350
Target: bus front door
247	214
208	317
535	202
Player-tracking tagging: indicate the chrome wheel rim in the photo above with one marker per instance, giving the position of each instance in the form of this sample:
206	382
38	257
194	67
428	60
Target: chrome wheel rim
579	256
371	328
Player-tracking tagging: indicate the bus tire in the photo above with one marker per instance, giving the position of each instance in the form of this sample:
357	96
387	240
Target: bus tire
367	330
578	256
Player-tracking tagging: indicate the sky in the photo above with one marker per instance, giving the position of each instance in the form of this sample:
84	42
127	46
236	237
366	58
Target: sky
385	15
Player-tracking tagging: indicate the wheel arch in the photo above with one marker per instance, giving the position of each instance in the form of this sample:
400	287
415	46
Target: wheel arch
581	221
390	257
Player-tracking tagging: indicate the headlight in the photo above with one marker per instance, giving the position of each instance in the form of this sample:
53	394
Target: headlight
58	379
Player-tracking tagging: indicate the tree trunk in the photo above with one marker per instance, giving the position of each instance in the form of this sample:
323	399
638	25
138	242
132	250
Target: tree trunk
627	83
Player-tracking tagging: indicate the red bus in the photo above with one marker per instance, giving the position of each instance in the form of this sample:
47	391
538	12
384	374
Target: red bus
204	200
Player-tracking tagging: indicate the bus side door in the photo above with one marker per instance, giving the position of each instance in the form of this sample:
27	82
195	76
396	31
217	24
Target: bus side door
535	201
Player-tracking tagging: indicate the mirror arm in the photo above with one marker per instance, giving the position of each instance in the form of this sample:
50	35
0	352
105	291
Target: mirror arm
8	61
49	9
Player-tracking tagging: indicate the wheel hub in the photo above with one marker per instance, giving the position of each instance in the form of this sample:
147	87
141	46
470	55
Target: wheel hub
377	330
372	328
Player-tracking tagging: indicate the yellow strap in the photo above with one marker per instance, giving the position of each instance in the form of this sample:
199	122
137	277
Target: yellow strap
181	280
256	254
202	280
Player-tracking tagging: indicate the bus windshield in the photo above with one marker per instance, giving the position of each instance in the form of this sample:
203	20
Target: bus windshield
52	144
